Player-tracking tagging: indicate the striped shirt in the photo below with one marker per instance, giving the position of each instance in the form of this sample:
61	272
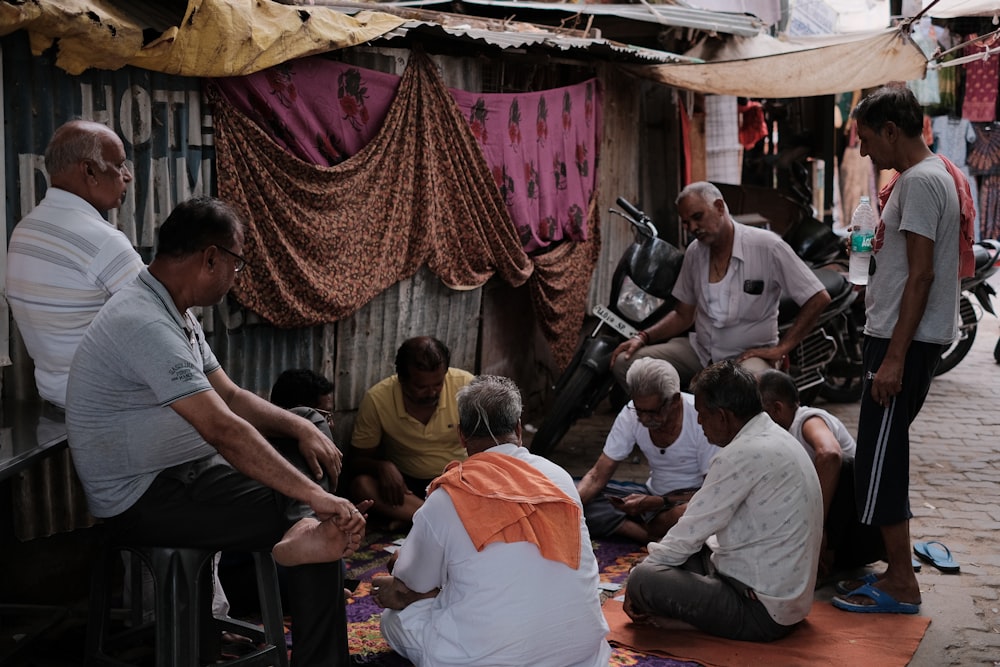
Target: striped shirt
63	263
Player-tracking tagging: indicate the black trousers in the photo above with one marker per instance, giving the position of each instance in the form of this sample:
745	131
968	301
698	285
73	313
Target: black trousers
882	461
208	504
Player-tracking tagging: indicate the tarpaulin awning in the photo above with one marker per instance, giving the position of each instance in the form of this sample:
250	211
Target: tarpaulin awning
214	38
949	9
763	66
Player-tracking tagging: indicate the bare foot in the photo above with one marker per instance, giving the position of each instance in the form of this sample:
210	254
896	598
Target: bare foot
314	541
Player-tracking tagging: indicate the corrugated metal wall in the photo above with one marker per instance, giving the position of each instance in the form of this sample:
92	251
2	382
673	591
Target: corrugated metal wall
167	130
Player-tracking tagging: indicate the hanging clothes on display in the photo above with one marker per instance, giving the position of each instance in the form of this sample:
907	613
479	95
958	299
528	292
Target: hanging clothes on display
926	90
952	136
984	162
981	84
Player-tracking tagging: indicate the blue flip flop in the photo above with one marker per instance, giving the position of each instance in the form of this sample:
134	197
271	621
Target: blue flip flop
937	555
842	586
884	603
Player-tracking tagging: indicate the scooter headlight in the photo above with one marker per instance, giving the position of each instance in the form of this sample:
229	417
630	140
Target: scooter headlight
635	304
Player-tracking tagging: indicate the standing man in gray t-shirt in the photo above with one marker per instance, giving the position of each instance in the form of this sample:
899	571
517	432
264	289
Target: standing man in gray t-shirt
912	309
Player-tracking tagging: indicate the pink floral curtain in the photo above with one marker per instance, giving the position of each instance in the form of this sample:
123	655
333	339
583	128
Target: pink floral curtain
324	239
540	147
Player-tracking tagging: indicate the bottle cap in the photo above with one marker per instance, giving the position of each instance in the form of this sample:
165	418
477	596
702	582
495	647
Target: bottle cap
865	199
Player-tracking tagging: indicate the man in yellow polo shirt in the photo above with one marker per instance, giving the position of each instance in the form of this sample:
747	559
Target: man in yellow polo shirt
406	430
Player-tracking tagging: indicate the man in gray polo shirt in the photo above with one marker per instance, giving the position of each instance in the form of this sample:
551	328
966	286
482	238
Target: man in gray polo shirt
171	452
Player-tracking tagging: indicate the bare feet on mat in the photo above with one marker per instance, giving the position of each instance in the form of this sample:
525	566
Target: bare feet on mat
314	541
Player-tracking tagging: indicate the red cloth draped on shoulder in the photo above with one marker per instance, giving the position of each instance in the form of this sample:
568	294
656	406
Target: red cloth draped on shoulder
502	499
967	226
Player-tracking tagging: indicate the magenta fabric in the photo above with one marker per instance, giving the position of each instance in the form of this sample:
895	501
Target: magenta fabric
980	102
320	111
541	147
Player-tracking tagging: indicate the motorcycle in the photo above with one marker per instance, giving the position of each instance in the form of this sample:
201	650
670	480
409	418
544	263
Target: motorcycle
828	361
987	254
819	246
641	296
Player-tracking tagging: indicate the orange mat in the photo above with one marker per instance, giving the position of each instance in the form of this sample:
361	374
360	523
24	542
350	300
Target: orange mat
828	636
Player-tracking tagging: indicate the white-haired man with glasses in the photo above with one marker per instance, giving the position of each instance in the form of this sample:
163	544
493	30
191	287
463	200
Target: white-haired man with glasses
663	423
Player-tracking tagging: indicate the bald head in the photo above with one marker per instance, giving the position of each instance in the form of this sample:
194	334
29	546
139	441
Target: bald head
75	141
88	159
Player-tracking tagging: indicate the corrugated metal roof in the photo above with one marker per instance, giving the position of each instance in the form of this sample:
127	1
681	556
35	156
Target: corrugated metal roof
744	25
542	39
502	33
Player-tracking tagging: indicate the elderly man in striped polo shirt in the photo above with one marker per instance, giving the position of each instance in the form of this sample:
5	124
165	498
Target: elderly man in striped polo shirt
65	260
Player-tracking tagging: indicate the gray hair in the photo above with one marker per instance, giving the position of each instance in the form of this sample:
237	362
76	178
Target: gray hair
707	191
488	407
728	386
652	377
74	141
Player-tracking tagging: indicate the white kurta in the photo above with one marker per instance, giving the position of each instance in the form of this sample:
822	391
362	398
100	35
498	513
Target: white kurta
502	606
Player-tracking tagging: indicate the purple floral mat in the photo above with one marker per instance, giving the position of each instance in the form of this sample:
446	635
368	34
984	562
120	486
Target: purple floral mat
614	558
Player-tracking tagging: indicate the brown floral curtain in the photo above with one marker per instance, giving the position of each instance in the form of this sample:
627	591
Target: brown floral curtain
324	241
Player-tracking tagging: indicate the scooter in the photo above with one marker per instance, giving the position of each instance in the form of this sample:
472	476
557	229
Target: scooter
987	255
828	362
819	246
640	296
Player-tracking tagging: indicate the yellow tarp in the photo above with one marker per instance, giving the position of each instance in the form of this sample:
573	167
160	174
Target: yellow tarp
215	37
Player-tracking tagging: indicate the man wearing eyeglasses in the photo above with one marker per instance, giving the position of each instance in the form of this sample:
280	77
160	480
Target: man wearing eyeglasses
663	423
171	451
65	260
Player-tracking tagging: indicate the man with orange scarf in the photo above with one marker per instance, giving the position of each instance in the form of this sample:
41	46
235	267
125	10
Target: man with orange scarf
498	568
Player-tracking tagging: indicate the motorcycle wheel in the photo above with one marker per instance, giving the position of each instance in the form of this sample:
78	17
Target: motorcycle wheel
954	353
842	390
570	405
842	381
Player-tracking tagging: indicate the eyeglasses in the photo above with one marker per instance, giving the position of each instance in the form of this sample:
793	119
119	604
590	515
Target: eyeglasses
640	412
240	262
125	169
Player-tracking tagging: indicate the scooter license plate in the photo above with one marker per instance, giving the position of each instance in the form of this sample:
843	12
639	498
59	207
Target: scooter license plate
613	321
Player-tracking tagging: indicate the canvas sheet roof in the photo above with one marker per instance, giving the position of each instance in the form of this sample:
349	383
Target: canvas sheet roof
214	37
763	66
949	9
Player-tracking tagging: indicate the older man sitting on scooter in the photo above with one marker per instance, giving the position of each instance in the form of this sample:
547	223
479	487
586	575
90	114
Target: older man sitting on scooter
729	288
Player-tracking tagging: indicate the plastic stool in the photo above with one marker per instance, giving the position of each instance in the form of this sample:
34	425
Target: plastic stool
182	588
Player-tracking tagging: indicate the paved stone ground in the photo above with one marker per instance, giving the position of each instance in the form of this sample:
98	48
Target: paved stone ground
954	493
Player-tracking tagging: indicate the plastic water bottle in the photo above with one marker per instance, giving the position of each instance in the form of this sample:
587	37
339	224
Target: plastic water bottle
862	238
